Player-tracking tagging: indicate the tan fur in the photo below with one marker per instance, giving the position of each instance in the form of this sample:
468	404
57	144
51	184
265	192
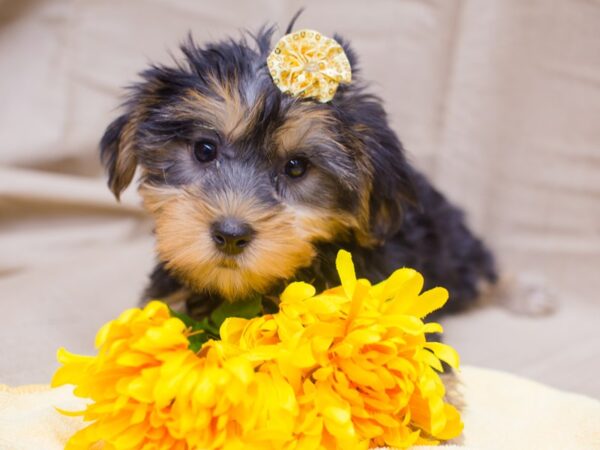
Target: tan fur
305	124
365	170
282	245
302	122
126	161
227	112
176	298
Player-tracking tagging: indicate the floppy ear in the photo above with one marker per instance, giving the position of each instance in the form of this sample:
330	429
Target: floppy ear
117	152
387	176
392	183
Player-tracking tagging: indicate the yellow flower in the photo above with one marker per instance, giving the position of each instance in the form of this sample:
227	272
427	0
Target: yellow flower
358	360
307	64
148	390
348	368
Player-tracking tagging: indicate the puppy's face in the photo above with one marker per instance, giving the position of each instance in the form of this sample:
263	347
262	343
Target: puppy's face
241	180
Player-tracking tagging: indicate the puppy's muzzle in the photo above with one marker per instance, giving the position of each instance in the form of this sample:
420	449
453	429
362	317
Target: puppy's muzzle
231	236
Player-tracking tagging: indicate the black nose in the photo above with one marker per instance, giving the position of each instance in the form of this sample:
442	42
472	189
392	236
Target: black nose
231	236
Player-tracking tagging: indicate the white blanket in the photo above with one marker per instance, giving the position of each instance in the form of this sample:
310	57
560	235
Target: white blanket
503	412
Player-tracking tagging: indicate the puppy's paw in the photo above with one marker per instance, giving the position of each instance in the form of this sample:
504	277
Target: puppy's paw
525	294
454	396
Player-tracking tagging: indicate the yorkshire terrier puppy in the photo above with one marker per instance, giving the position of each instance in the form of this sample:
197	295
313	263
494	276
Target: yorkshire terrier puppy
251	188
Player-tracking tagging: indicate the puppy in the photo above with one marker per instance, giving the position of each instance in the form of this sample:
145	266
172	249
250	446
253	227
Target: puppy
251	189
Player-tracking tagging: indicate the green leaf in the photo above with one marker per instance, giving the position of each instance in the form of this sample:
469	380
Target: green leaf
245	309
187	320
208	327
202	330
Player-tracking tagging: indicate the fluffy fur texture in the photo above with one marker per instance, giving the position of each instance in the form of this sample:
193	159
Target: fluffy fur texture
359	191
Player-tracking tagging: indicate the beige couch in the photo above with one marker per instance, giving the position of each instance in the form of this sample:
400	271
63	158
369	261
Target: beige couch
497	100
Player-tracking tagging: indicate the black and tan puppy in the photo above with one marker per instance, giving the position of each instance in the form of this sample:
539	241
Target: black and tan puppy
251	189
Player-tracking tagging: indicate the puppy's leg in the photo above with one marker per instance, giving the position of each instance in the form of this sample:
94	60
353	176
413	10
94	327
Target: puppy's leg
436	240
524	294
454	396
166	288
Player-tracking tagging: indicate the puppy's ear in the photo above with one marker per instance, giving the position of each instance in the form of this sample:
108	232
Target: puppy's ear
117	152
392	182
387	176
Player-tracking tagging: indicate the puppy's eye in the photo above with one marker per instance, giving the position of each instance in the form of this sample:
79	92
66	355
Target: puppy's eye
205	151
296	167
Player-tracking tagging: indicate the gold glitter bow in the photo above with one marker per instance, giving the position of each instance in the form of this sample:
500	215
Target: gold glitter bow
307	64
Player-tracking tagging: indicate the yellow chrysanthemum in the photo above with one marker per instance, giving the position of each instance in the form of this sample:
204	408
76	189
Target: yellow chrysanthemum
307	64
348	368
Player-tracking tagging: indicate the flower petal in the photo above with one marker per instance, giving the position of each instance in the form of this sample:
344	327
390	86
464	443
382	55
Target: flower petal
297	291
345	269
444	352
428	302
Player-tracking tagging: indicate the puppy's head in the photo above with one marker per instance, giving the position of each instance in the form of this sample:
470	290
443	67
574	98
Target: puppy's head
241	180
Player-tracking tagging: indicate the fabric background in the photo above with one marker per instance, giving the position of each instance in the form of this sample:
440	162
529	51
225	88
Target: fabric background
498	101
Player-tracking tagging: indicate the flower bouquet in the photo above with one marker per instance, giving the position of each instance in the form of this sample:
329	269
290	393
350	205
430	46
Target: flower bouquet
347	368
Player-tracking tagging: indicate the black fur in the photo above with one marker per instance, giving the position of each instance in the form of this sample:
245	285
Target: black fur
433	239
